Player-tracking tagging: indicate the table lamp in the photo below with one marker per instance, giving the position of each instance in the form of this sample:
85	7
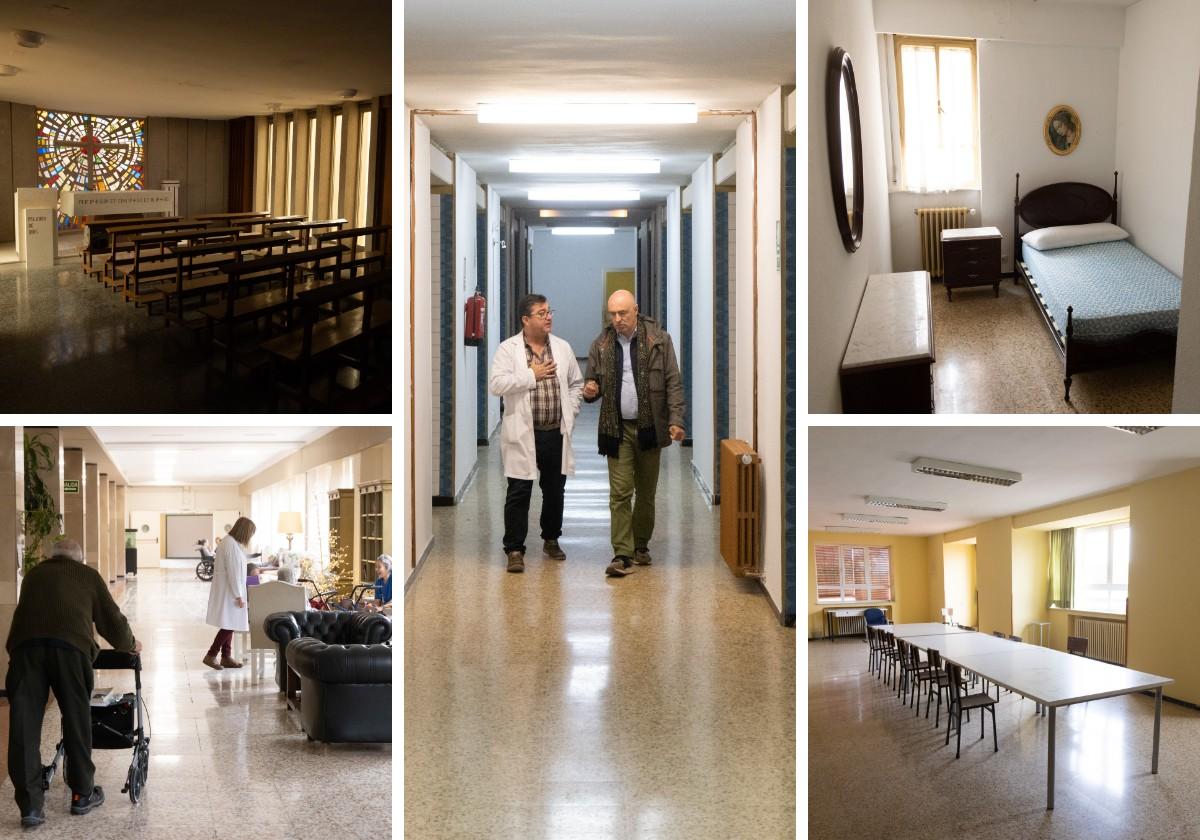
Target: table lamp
290	524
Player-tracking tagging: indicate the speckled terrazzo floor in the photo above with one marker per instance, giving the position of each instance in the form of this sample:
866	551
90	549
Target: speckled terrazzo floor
227	760
561	705
994	355
876	771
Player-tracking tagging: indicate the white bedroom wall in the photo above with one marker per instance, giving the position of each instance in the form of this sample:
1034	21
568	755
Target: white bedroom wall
703	333
836	279
1031	23
466	433
1186	396
1156	119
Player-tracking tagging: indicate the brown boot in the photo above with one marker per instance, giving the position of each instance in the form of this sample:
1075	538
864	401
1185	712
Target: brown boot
211	662
230	662
516	561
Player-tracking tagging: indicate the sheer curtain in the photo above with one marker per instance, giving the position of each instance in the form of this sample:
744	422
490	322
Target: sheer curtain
940	132
307	493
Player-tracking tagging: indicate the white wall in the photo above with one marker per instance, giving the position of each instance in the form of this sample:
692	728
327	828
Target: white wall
192	499
770	340
1018	85
1156	123
466	423
906	243
1186	397
569	271
674	323
742	371
420	514
836	278
703	334
493	297
1046	22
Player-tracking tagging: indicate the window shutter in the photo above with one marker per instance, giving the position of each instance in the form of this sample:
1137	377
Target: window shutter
854	563
880	564
829	573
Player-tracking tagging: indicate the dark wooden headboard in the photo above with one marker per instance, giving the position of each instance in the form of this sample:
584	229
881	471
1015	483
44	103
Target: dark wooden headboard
1064	203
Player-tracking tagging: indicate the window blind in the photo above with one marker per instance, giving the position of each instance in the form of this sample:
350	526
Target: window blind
850	573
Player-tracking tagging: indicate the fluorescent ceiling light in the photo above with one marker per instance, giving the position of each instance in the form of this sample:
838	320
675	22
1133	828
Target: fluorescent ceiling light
586	214
871	517
907	504
584	193
576	165
587	113
842	528
1136	430
583	231
966	472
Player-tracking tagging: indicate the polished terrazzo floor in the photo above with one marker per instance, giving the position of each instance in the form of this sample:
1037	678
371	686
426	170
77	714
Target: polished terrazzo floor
995	355
227	759
876	771
562	705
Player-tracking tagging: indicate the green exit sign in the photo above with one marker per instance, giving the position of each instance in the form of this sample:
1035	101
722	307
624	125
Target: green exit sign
71	485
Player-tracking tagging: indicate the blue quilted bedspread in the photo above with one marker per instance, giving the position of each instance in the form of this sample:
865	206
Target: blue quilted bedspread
1115	289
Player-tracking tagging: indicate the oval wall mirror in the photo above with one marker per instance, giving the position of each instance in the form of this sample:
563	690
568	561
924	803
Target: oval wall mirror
844	132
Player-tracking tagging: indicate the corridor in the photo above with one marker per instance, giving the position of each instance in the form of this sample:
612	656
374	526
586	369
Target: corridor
562	704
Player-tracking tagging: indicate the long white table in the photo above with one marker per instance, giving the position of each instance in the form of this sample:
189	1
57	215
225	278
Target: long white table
908	631
1053	679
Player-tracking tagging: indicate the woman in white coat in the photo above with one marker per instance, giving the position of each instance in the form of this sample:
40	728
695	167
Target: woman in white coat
537	375
227	593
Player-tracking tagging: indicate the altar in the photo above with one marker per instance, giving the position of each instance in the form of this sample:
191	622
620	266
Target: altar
106	203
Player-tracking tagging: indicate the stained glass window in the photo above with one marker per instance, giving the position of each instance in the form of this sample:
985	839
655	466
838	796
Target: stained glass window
84	152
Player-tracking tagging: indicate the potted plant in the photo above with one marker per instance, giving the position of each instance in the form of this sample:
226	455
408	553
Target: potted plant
41	517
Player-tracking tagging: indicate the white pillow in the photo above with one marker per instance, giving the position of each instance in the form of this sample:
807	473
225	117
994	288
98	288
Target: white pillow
1064	236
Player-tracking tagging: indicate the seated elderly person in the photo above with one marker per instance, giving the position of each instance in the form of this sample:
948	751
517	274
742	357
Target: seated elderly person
383	584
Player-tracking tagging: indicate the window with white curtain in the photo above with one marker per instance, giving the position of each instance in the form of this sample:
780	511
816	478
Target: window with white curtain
939	116
307	493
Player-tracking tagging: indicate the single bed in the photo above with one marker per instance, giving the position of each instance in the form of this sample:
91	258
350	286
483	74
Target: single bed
1105	303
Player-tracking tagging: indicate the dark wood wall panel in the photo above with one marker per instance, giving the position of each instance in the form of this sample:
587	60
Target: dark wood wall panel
216	166
155	152
177	153
195	188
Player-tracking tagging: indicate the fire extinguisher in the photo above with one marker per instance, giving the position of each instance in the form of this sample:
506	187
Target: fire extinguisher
475	330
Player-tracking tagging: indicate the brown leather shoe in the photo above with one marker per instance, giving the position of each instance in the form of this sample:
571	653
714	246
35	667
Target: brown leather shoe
211	662
553	550
516	561
641	557
230	662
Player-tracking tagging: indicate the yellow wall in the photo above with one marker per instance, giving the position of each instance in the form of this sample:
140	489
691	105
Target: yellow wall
1030	555
936	576
910	585
994	575
959	581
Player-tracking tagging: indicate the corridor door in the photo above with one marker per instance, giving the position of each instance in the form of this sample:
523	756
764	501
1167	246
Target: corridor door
184	531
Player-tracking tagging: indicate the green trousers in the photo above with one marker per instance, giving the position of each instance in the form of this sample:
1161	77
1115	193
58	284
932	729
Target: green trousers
33	672
632	480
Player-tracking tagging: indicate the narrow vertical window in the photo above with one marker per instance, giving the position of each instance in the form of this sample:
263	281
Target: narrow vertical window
335	169
291	139
312	167
270	163
364	163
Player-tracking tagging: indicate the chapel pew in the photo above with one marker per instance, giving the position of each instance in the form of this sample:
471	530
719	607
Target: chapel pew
324	343
148	270
122	234
374	257
96	242
304	230
213	256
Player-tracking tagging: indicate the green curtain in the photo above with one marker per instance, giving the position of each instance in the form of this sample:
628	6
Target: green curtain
1062	568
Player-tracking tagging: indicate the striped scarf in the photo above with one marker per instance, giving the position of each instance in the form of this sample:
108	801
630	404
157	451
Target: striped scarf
612	359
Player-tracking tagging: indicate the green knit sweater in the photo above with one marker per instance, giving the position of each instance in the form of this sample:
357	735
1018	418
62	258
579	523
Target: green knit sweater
61	599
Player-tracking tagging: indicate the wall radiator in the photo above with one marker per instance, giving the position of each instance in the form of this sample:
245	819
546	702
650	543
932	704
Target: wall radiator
931	221
1106	638
741	523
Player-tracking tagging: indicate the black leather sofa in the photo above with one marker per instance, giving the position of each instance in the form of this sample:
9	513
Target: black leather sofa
345	690
331	627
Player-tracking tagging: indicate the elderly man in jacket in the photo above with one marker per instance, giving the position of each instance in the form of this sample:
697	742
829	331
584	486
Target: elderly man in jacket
539	380
51	646
632	366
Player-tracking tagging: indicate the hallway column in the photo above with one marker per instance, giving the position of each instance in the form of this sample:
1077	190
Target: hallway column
91	518
111	533
102	524
74	498
119	531
12	532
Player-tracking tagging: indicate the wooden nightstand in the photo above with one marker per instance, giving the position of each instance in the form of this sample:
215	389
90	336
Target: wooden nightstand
971	257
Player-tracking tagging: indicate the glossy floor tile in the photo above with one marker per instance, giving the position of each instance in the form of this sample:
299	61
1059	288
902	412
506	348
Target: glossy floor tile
561	704
226	757
875	770
995	355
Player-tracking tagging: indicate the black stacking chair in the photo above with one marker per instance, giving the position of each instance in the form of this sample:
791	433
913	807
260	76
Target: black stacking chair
921	672
960	702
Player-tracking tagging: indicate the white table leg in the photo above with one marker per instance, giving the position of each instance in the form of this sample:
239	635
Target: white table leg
1157	726
1050	765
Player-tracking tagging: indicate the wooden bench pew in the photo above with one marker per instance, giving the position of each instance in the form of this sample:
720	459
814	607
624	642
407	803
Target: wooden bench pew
305	230
118	235
324	341
222	319
376	255
213	256
263	222
149	269
96	239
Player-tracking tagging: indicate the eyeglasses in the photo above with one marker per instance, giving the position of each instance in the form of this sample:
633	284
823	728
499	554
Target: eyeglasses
545	314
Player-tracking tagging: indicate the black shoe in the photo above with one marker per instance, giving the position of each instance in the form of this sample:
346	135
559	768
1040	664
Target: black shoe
619	567
83	804
33	819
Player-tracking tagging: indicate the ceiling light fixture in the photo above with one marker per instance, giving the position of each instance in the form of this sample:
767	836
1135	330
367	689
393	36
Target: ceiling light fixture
584	214
587	113
876	518
965	472
906	504
348	93
583	231
583	193
1136	430
576	165
843	528
29	39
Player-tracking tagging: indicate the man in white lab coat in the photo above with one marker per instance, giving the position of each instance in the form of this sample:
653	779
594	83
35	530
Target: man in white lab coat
539	380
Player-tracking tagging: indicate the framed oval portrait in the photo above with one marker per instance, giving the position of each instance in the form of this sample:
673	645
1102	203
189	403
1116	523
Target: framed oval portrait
1062	129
